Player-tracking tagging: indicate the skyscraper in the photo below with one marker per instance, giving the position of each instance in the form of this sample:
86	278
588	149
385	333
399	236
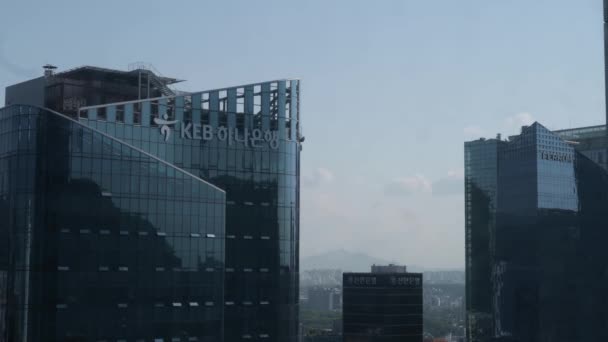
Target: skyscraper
382	306
142	213
481	170
535	223
590	141
606	53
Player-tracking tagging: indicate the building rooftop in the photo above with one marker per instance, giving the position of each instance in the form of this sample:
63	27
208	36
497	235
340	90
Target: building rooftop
390	268
569	134
582	132
87	72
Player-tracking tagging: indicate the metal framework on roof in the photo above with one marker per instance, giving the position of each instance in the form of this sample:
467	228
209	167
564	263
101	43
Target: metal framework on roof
87	71
583	132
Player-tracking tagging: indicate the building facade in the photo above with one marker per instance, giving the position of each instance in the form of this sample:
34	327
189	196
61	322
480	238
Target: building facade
88	251
481	172
382	307
535	218
242	142
324	299
591	141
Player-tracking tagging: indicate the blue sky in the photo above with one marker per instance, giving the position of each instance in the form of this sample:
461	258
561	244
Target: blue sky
391	89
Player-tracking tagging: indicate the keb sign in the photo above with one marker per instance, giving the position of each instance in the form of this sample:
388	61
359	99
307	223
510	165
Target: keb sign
195	131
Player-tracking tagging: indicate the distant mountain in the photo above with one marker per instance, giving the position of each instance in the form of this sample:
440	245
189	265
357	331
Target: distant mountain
342	260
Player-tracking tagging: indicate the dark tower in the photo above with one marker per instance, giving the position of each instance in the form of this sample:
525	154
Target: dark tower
606	54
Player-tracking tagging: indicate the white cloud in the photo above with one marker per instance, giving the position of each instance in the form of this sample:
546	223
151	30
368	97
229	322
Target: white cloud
401	217
417	184
317	177
456	173
452	184
518	120
404	228
325	175
510	125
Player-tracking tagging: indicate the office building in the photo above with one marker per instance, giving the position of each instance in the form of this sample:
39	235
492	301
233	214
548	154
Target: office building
606	53
590	141
324	299
140	213
535	223
382	306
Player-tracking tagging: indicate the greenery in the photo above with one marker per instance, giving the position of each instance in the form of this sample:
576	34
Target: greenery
442	321
319	319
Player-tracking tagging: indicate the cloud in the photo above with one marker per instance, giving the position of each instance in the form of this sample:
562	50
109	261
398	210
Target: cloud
325	175
404	186
317	177
518	120
401	217
458	173
509	125
452	184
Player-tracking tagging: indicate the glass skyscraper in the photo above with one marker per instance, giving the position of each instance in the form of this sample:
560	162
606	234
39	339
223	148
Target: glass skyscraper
535	219
164	216
382	306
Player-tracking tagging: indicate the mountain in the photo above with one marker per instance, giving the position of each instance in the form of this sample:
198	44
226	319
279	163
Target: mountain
342	260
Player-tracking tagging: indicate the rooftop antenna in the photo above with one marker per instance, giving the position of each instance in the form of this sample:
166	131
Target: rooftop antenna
48	70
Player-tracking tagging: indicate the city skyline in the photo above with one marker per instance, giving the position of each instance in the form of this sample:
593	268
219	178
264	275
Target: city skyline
422	77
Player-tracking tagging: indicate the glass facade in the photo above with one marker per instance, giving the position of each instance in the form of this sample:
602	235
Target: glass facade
382	307
538	274
481	172
102	241
590	141
245	140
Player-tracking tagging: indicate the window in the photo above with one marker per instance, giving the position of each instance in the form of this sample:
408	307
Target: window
137	113
101	113
153	112
120	113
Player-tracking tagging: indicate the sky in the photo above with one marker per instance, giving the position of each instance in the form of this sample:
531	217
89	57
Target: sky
390	90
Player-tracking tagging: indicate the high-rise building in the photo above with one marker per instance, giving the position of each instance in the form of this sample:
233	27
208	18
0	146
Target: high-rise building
606	53
591	141
324	299
138	213
382	306
535	218
481	172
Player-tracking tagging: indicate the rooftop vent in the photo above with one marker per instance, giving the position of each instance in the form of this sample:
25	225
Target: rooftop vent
48	70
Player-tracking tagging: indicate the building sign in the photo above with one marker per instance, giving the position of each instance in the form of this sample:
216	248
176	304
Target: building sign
555	156
361	280
195	131
73	103
405	280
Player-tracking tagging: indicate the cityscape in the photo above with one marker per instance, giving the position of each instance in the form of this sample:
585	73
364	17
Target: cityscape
354	179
